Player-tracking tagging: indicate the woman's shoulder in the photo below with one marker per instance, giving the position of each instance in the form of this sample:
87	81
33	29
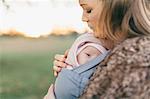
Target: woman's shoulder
126	71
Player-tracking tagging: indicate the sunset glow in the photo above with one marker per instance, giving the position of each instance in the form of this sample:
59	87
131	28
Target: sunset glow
40	17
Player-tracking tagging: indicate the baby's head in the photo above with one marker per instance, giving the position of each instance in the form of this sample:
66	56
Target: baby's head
89	51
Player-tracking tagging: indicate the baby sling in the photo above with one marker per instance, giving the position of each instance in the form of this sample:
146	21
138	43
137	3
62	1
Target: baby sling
70	84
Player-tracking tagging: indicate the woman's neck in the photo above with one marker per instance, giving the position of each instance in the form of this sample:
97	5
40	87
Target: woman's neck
108	44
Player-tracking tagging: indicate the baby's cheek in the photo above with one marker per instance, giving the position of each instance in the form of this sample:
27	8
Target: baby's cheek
82	58
94	56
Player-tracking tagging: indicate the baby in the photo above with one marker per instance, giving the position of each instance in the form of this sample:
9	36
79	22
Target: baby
85	48
82	59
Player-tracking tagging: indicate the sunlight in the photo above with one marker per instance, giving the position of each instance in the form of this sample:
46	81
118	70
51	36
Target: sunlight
39	17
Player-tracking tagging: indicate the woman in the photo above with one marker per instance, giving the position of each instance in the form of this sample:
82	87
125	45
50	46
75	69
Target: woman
126	71
112	27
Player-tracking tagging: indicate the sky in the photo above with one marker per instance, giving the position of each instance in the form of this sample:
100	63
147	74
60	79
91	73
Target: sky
40	17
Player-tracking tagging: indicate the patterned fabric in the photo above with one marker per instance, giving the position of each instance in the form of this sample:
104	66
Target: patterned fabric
125	74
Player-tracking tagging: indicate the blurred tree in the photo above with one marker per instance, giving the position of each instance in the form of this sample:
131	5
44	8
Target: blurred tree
5	4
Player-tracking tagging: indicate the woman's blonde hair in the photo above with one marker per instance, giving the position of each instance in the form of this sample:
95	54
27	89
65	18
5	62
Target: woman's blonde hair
139	23
109	25
120	19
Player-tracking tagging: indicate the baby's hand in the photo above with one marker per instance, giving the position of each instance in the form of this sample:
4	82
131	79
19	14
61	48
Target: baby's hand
59	63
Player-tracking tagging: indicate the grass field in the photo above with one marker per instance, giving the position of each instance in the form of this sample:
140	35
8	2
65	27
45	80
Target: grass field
26	65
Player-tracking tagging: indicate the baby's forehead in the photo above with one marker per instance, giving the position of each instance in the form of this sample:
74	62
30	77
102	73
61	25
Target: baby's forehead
89	49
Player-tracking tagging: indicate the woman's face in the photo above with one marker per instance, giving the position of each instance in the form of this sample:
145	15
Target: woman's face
91	9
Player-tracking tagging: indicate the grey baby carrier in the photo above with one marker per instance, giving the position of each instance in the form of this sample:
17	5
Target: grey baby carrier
71	83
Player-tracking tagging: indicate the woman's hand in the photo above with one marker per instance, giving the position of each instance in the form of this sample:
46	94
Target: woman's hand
59	63
50	93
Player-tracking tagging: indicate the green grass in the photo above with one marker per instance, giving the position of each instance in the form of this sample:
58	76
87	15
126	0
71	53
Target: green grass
26	74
